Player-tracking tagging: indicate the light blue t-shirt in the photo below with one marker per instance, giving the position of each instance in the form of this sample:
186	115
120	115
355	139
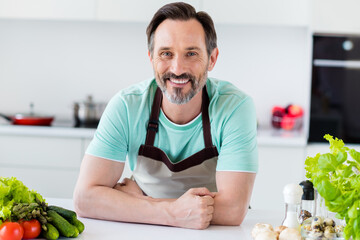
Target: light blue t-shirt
122	128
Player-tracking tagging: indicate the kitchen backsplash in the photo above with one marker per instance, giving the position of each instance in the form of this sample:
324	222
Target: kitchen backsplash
55	63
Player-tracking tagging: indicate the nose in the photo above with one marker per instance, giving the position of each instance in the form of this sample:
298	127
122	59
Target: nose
178	65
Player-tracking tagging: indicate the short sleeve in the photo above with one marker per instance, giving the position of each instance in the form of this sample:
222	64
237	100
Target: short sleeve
238	151
111	137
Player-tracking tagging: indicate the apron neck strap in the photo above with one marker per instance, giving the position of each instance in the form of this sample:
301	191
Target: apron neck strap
205	118
153	124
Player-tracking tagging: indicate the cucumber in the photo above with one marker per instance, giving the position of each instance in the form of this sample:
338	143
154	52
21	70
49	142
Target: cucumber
65	213
52	233
62	225
78	224
76	233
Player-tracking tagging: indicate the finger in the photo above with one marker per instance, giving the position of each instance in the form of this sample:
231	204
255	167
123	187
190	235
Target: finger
125	181
200	191
210	210
209	218
209	200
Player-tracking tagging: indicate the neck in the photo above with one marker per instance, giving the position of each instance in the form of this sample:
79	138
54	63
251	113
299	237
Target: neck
184	113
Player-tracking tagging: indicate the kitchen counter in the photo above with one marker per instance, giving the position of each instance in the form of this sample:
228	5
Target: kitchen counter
266	136
99	229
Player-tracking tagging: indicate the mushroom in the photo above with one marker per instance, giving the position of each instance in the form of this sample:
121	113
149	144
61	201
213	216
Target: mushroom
290	234
279	229
267	235
261	227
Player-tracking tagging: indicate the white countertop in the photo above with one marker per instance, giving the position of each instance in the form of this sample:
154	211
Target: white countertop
99	229
266	137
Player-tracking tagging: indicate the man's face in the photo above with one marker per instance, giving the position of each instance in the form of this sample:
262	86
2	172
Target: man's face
179	59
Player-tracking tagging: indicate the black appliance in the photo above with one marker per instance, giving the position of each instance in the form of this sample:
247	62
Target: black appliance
335	88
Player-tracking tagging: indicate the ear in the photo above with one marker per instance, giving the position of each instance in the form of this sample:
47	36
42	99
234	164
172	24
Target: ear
213	58
150	57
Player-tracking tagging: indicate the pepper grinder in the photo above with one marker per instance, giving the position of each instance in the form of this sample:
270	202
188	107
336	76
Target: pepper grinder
308	206
292	197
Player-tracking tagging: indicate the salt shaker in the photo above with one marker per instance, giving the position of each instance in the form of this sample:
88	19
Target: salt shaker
292	197
308	205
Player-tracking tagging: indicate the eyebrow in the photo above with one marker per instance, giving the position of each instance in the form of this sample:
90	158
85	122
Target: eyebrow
188	48
164	48
193	48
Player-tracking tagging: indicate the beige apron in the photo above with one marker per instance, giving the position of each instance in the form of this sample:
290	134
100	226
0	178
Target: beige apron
158	177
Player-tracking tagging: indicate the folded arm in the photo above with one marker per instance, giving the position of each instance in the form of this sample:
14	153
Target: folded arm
97	195
233	197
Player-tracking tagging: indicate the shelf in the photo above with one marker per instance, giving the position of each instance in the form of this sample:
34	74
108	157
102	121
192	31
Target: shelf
281	138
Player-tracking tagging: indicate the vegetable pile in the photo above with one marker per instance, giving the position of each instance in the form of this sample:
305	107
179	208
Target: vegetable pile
336	176
24	214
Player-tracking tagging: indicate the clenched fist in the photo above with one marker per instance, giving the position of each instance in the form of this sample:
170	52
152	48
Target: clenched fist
194	209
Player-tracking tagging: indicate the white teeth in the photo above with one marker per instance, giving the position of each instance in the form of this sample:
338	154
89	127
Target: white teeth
179	81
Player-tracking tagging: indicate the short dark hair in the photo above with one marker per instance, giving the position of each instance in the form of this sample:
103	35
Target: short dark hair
182	11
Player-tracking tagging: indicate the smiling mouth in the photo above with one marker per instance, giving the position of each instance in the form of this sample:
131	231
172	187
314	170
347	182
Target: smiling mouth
179	81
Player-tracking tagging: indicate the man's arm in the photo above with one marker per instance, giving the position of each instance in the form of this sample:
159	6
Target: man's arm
233	197
95	196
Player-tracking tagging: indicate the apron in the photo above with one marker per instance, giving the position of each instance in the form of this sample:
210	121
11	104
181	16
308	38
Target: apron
158	177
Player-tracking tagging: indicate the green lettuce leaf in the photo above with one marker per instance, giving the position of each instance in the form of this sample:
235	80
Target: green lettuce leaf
337	179
327	162
11	191
355	155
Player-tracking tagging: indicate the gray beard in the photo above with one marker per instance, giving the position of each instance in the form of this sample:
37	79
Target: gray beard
178	98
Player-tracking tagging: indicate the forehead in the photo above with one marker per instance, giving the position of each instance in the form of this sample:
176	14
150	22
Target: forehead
179	33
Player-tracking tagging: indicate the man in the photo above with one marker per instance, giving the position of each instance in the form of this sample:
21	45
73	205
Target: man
190	140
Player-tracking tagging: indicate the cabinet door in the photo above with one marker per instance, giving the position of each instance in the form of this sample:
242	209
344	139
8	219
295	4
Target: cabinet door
48	9
47	165
135	10
259	12
41	152
278	166
51	182
333	16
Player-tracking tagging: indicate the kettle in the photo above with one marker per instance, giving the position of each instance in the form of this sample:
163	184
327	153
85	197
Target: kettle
88	113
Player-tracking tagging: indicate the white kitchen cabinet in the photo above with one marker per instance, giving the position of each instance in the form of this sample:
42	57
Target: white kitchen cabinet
259	12
334	16
49	182
278	166
256	12
48	9
49	165
135	10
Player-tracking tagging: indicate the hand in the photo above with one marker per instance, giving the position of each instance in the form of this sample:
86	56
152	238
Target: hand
129	186
194	209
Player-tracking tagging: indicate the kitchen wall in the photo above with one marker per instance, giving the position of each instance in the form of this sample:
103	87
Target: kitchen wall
54	63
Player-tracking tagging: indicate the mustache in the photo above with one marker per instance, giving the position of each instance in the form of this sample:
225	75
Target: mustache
174	76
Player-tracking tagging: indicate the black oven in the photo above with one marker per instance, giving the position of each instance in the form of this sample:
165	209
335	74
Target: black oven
335	88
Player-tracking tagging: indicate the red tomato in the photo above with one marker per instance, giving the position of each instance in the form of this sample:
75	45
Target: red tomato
32	228
11	231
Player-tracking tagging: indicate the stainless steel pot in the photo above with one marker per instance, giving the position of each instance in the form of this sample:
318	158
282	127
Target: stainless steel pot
88	113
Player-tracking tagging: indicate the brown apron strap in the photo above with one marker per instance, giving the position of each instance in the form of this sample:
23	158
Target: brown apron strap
153	125
205	118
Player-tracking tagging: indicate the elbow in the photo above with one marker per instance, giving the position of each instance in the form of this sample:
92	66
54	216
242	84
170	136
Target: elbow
79	203
236	216
239	216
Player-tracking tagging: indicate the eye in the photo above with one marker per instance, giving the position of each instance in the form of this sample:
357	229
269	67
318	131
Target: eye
191	54
166	54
